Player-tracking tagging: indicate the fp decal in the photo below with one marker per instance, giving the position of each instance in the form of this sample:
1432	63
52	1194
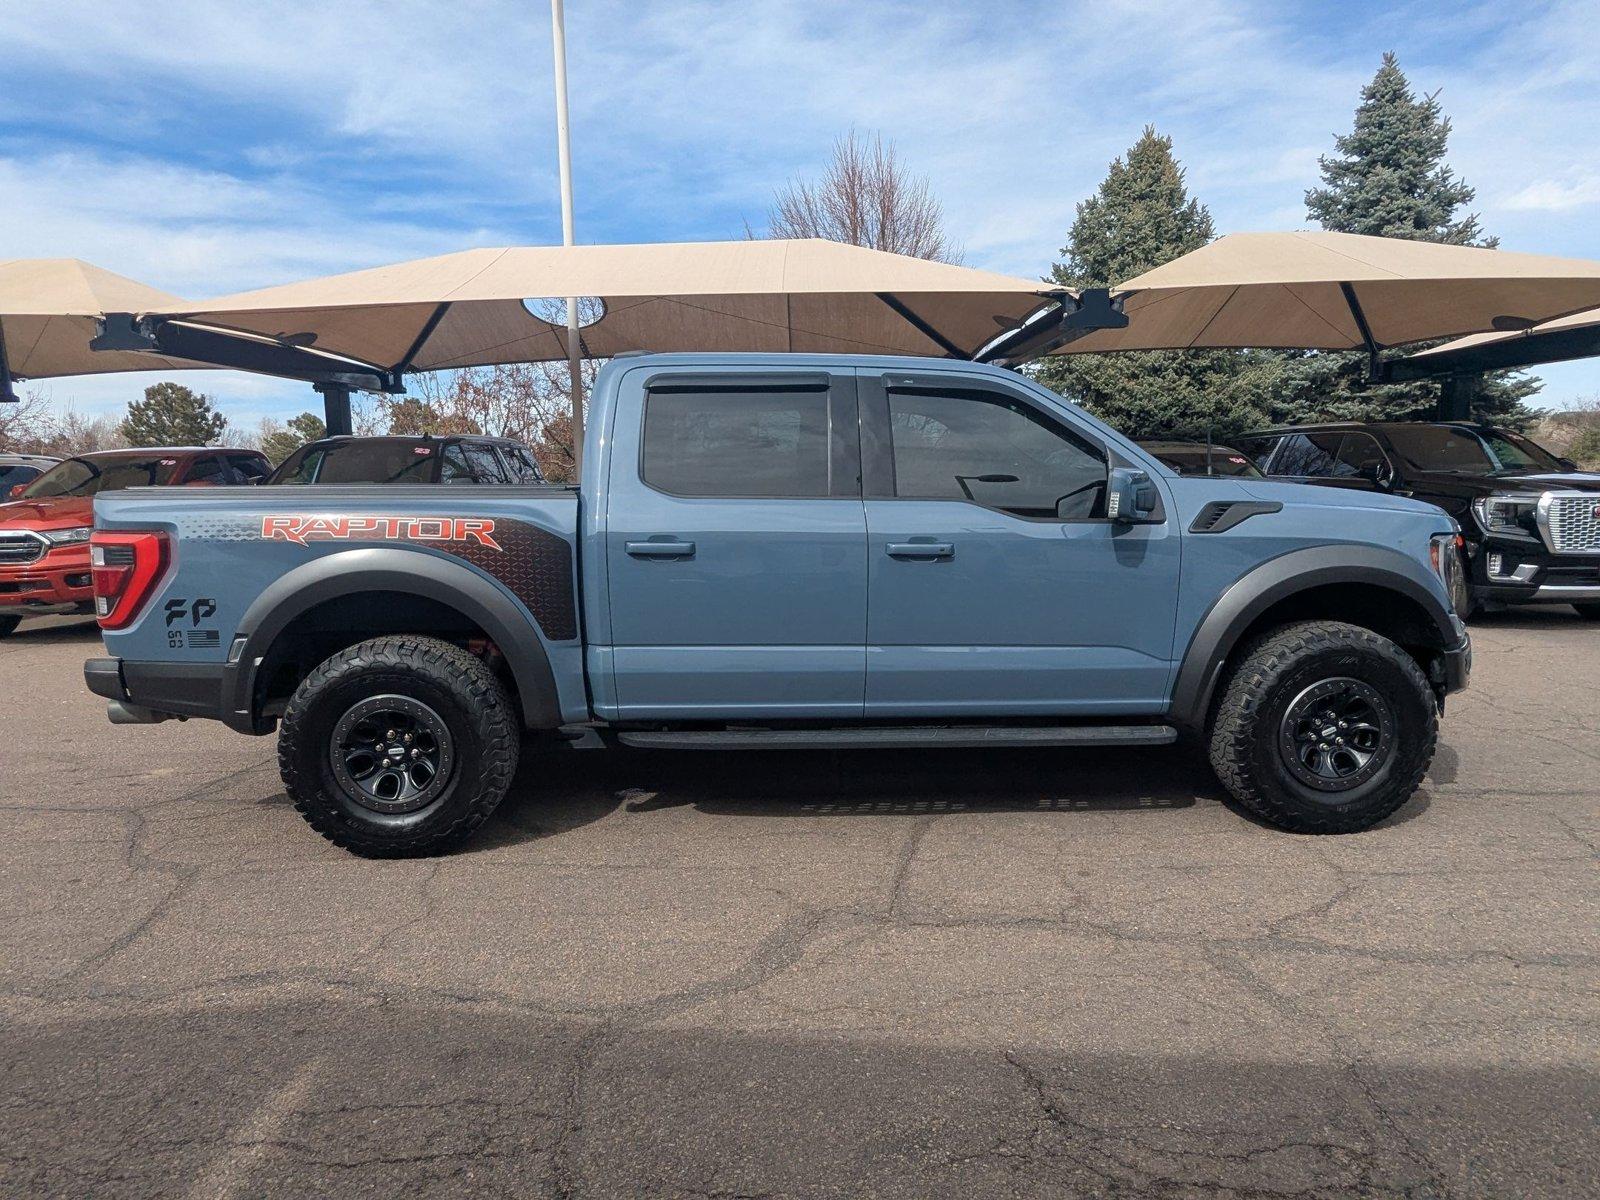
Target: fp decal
301	529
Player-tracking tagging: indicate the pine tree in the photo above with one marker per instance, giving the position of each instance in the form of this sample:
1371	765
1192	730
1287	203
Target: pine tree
1389	179
280	441
1143	216
172	415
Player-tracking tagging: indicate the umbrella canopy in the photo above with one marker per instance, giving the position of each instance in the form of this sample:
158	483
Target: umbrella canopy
1574	336
1339	291
466	309
48	309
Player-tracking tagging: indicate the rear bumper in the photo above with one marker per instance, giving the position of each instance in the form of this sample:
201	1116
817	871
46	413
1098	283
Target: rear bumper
160	689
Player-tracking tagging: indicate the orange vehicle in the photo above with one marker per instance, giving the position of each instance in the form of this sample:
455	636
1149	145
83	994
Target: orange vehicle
45	526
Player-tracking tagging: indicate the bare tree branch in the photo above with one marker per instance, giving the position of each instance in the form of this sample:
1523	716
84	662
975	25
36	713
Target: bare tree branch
866	197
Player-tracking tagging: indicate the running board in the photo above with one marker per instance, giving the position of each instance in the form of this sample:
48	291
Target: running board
947	736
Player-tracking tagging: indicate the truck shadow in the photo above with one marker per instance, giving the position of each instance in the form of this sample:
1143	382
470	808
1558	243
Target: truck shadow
556	792
561	791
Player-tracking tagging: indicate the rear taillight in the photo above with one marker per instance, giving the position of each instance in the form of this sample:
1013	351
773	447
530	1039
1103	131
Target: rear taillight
127	567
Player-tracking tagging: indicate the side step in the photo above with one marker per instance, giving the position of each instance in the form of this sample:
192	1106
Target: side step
869	737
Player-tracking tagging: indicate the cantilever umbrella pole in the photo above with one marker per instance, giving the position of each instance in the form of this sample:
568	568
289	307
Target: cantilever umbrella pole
8	394
558	31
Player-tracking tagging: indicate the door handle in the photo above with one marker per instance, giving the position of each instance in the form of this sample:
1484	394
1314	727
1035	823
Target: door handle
921	550
661	549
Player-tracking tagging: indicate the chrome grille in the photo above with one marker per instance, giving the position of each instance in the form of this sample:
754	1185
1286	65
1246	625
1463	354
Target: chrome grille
20	546
1574	523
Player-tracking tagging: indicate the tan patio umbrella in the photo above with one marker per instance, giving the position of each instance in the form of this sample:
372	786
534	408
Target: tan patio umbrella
1576	335
467	309
48	311
1339	291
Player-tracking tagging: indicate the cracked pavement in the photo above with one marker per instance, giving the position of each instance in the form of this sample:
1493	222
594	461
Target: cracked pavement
973	973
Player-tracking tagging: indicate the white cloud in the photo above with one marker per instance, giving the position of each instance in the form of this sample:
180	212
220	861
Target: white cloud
1556	195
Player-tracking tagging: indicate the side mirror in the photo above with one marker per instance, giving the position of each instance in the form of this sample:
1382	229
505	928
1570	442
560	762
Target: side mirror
16	490
1568	465
1377	474
1131	497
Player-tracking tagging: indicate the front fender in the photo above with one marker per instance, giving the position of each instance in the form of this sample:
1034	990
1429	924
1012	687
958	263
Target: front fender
410	572
1278	579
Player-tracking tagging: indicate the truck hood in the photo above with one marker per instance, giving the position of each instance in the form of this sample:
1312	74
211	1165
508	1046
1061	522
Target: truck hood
1510	481
55	512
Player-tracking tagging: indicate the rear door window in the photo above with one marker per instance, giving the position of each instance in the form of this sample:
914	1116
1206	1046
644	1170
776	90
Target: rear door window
1258	449
520	462
756	443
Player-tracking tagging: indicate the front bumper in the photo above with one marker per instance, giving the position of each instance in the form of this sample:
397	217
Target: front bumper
1456	666
58	582
1527	573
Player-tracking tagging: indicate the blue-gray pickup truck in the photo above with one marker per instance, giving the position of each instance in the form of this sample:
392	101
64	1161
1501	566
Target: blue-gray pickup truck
792	551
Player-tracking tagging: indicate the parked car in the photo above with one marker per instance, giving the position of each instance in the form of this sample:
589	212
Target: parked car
1530	519
1202	458
402	459
19	470
778	551
44	530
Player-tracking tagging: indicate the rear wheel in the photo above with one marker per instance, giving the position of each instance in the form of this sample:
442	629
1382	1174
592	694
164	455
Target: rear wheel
1589	612
8	625
398	746
1324	727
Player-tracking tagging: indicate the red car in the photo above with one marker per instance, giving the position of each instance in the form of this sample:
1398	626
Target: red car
44	529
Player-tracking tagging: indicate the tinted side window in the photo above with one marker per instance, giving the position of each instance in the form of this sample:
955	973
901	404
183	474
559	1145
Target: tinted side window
995	450
755	443
248	467
206	470
453	465
1309	455
1257	449
520	463
485	463
1360	454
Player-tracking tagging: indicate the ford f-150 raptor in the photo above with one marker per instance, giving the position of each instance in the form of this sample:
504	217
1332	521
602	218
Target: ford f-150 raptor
792	551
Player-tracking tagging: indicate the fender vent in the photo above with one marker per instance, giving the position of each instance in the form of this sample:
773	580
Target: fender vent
1222	515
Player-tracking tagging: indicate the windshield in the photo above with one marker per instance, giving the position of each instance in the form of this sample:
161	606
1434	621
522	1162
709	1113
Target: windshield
91	476
1468	451
1191	460
358	461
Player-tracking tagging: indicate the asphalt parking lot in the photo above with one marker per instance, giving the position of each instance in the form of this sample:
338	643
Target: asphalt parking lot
974	974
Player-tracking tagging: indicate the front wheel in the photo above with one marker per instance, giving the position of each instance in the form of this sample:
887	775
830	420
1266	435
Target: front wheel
1589	612
1324	727
398	746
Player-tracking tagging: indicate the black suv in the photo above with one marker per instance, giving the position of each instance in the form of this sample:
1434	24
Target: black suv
404	459
1531	520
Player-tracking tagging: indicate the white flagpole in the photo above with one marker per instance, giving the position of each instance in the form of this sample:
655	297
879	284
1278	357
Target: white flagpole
564	151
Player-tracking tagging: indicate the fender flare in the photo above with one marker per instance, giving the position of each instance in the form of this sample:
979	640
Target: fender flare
387	569
1277	579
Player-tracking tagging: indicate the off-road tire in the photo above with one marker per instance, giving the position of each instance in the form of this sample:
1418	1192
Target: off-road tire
459	688
1267	677
8	625
1589	612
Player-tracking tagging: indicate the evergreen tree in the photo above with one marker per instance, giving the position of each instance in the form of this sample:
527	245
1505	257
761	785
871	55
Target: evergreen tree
280	441
172	415
1141	217
1389	179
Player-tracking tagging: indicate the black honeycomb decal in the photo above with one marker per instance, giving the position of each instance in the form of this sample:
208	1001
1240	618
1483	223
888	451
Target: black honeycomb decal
537	566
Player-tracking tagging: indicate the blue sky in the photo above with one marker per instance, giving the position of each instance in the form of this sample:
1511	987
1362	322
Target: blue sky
205	147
